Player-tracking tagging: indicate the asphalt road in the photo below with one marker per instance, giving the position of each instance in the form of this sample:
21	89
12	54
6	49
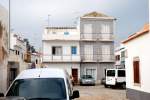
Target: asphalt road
99	92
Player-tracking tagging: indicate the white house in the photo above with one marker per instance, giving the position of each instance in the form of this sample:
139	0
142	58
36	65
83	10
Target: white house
85	50
61	49
137	63
16	61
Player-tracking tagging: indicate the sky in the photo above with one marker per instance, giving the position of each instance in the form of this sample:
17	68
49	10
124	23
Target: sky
29	17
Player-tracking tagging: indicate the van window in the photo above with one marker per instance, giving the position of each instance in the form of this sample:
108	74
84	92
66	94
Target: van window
49	88
121	73
110	72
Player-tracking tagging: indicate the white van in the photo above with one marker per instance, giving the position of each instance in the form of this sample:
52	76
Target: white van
115	77
42	84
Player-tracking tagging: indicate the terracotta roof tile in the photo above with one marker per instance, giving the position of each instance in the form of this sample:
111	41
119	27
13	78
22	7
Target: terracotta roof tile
95	14
143	31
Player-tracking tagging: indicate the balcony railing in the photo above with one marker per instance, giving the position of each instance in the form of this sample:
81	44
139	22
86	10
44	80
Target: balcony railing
98	58
97	36
61	58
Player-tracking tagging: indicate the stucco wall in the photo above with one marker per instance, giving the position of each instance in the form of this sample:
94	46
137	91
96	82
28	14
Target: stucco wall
67	66
138	47
66	49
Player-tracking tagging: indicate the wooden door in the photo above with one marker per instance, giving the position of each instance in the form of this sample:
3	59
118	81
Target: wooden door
75	75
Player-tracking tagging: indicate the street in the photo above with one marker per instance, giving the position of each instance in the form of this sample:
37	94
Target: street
99	92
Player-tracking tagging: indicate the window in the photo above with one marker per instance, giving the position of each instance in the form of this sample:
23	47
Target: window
110	72
36	61
88	52
123	54
121	73
74	50
117	57
105	28
87	28
91	72
66	33
136	70
57	50
106	49
16	52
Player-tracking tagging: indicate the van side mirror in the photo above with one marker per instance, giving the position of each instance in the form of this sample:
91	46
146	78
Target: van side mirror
1	94
75	94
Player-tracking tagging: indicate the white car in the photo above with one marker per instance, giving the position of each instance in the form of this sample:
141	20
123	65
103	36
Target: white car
115	77
42	84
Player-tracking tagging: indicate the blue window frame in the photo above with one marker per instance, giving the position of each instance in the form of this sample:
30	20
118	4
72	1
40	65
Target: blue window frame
74	50
66	33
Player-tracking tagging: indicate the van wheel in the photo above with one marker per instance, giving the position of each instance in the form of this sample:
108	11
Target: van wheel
106	86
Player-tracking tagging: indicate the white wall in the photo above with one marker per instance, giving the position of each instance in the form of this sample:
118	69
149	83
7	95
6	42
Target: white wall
66	50
74	34
67	66
138	47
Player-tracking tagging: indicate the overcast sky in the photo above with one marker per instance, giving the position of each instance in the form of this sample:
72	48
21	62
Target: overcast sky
29	17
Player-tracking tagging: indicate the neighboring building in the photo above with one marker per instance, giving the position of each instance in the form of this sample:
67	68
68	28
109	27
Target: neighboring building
96	44
16	62
18	59
120	57
61	49
87	49
137	63
4	47
36	59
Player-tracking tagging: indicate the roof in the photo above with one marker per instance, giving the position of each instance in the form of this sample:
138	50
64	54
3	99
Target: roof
42	73
143	31
95	14
61	28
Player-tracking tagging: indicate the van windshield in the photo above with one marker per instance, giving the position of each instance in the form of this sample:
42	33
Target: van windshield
48	88
110	72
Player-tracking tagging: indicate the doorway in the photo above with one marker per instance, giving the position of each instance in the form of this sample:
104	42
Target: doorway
75	75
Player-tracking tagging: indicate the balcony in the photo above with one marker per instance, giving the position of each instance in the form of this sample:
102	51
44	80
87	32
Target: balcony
61	58
98	58
13	57
97	36
61	36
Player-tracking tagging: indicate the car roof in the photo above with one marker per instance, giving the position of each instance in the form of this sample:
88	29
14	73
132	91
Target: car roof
43	73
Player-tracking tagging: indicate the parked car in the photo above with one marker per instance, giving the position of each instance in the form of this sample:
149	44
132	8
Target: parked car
42	84
115	77
87	80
